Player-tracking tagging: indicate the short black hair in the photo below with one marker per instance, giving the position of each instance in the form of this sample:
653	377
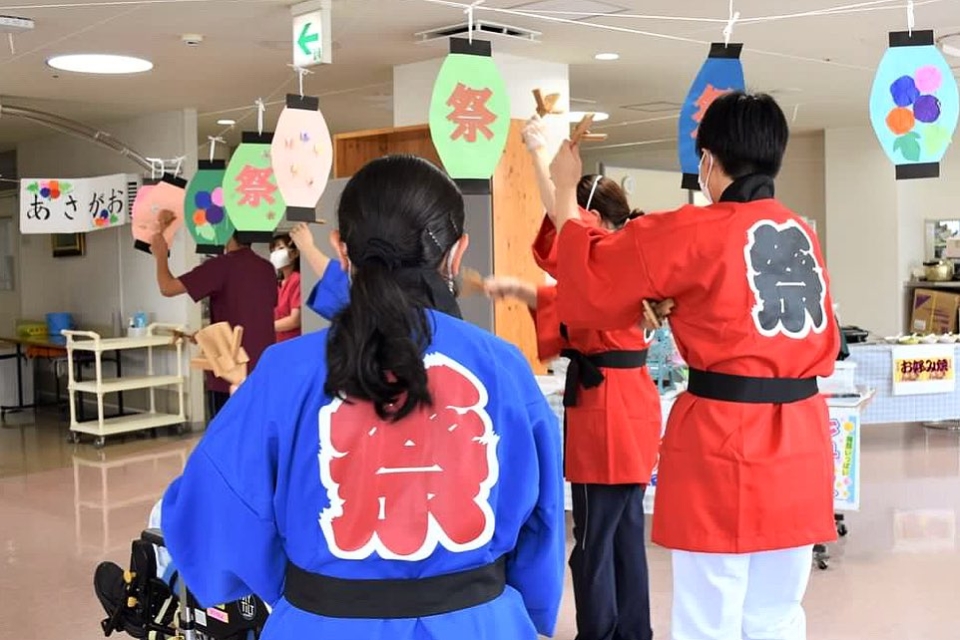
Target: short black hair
746	133
236	236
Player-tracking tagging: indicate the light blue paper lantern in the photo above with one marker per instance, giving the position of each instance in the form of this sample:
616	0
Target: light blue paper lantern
914	104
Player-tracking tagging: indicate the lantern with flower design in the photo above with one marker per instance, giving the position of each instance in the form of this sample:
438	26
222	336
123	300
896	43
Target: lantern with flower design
914	104
153	197
204	212
253	200
470	114
721	73
301	156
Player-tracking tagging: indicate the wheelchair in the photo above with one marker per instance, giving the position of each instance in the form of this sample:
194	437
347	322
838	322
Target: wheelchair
141	604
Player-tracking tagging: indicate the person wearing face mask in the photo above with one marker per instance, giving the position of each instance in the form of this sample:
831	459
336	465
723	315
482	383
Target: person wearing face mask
745	484
286	260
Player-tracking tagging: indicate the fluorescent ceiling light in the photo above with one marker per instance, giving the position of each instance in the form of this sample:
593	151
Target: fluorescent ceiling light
598	116
100	64
226	122
607	56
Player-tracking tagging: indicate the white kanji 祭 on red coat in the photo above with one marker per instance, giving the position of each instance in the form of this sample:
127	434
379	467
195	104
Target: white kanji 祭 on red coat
399	490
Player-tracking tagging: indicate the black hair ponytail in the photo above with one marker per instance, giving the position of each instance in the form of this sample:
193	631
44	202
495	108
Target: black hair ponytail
376	346
399	217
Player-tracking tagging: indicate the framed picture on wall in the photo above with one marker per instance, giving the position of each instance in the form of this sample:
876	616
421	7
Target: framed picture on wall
66	245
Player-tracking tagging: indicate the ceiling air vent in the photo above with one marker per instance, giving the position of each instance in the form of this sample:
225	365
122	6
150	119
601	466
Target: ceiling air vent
480	27
578	10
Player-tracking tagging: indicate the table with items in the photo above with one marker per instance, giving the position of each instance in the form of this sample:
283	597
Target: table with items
847	404
914	382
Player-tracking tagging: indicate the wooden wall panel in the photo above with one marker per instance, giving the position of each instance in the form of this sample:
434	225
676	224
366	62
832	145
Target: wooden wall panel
517	215
353	150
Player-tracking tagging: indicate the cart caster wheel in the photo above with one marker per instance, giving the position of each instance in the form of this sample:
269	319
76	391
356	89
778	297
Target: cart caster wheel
181	429
100	443
842	530
73	437
822	565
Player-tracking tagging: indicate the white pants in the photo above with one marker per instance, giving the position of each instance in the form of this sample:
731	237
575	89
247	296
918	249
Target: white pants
750	596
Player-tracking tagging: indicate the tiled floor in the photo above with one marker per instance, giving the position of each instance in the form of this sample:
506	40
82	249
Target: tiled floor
64	508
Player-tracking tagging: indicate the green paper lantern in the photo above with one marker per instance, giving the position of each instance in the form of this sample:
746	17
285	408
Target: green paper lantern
204	209
469	111
253	200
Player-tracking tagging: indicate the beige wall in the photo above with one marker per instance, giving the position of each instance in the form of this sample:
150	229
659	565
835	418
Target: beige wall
800	185
112	274
876	226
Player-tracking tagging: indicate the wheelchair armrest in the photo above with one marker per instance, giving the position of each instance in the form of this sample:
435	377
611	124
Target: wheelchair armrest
153	536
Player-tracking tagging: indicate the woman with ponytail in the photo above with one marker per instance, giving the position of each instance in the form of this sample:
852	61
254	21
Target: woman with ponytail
612	422
396	476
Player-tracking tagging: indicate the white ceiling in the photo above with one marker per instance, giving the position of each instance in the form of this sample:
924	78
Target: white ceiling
824	64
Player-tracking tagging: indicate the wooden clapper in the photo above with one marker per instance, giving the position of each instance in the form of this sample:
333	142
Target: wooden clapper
221	352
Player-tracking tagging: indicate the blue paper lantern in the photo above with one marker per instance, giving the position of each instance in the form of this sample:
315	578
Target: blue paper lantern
914	104
721	73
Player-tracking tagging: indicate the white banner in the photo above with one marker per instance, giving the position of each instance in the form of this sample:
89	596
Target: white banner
52	205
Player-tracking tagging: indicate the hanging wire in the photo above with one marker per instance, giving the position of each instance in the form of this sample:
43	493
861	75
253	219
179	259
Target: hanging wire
858	7
728	30
862	7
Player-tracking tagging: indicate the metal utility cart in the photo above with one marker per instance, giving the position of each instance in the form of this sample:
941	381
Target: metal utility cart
102	426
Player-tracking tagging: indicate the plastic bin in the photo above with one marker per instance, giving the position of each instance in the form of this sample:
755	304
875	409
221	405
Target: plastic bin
57	322
842	380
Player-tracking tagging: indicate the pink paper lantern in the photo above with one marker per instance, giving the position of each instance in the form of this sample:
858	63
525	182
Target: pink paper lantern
301	156
167	194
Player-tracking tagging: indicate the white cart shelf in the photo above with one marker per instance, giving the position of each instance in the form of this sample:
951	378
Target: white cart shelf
101	427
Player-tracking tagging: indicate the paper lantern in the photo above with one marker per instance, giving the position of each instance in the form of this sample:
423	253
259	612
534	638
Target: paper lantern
204	212
470	114
165	194
721	73
301	155
254	203
914	104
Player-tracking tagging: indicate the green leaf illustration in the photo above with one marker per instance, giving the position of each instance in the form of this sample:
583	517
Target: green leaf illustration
65	187
207	232
909	146
33	187
935	139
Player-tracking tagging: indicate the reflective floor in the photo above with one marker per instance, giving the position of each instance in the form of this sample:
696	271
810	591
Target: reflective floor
64	508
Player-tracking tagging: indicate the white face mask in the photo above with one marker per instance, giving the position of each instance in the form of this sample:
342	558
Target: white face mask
704	180
280	258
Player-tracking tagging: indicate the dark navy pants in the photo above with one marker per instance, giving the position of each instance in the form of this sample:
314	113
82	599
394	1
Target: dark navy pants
609	563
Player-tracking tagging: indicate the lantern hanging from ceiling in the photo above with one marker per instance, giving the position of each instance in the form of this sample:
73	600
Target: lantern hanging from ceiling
721	73
204	212
165	194
914	104
301	155
254	203
470	114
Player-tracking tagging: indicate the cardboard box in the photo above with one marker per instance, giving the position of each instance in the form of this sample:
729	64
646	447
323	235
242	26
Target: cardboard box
934	311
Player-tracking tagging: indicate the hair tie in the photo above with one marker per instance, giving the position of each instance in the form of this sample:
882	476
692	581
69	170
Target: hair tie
382	251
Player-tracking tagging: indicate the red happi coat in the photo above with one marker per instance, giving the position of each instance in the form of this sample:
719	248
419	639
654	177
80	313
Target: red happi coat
613	434
733	477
